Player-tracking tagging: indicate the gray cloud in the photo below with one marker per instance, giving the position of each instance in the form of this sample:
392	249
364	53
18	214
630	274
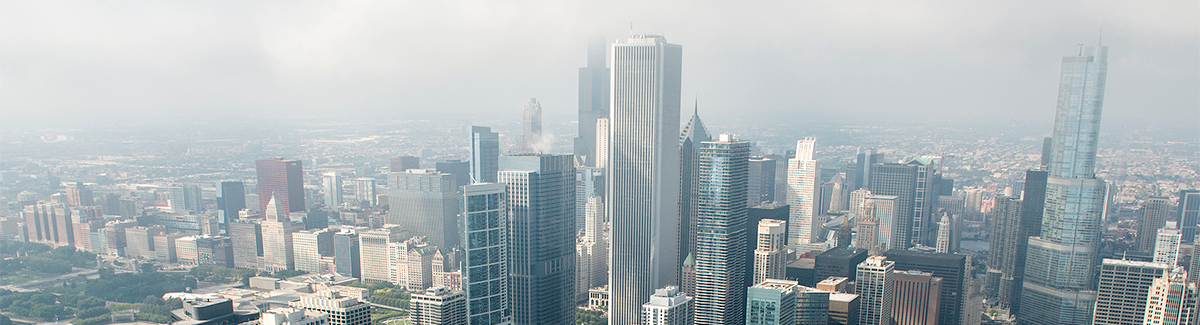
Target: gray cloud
798	60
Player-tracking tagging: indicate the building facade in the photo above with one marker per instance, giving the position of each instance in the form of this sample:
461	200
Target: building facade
722	238
485	244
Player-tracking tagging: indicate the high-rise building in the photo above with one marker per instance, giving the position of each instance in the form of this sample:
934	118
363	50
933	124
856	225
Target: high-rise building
954	271
231	200
1166	247
49	224
812	306
460	169
439	306
410	264
531	128
373	252
916	298
485	242
1153	216
425	204
364	190
888	224
667	306
247	242
805	220
403	163
693	134
341	310
1061	262
283	180
485	154
1002	276
346	260
762	181
925	194
770	258
589	182
642	184
837	192
541	258
331	186
1172	300
843	309
1124	288
309	247
899	180
944	235
278	249
860	176
839	262
1188	214
602	142
593	101
874	288
79	194
722	237
772	301
595	245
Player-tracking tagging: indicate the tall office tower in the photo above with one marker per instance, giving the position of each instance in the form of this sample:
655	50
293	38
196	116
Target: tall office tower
1047	146
485	241
770	259
856	201
843	308
925	194
868	230
1124	288
277	229
331	187
886	215
231	199
916	298
309	247
812	306
722	238
1172	300
485	154
838	262
1033	201
192	199
593	101
403	163
247	244
899	180
341	310
596	243
531	128
541	258
642	184
1189	214
460	169
773	301
346	260
602	142
439	305
954	271
79	194
944	235
864	165
874	288
1166	247
425	203
48	224
364	190
1061	262
1003	280
693	134
667	306
175	199
589	182
282	179
838	196
1154	214
373	252
762	181
410	264
805	221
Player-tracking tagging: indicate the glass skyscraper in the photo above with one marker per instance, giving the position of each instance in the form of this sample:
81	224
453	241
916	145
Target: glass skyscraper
485	154
485	242
722	238
1061	263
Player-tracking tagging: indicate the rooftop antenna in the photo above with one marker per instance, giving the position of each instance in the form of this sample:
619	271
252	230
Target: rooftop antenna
1080	48
697	109
1100	39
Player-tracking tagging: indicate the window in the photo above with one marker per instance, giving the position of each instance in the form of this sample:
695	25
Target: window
477	203
478	220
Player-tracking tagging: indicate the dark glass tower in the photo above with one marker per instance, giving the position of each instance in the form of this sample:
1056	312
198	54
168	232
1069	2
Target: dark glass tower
1189	214
231	198
593	100
485	154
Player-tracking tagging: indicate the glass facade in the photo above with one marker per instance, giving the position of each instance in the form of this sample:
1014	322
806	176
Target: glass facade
485	243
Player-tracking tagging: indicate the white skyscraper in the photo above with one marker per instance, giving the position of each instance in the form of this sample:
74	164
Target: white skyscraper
642	189
943	235
331	184
770	261
874	289
1166	246
802	188
277	232
531	127
602	142
668	306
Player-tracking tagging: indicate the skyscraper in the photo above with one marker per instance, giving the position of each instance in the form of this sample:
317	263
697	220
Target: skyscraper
668	306
589	182
1061	262
925	194
282	179
531	128
485	242
403	163
1124	288
838	262
1002	276
373	252
602	142
593	101
231	199
954	271
772	301
309	246
424	203
1172	300
460	169
364	191
770	261
1189	214
346	260
277	229
341	310
541	255
642	184
1166	247
721	239
485	154
812	306
916	298
899	180
439	305
863	166
762	181
331	186
944	235
693	134
802	188
246	238
1153	216
874	288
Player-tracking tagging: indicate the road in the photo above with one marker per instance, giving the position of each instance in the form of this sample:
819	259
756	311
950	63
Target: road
21	287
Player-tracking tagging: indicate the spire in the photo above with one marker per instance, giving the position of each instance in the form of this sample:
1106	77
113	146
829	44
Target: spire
695	129
273	210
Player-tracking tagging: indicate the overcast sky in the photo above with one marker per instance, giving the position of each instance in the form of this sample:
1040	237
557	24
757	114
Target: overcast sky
807	61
